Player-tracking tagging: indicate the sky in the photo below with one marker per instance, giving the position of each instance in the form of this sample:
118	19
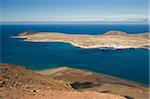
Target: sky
73	10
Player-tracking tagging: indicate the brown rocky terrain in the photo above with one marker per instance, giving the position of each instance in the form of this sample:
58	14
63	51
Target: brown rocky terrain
112	39
20	83
64	83
12	76
84	80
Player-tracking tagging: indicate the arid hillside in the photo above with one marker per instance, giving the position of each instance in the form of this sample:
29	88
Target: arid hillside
17	82
83	80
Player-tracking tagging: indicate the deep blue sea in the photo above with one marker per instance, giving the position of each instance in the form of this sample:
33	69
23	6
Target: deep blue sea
131	64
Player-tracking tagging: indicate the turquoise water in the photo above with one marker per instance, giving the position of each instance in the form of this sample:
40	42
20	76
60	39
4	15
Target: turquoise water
131	64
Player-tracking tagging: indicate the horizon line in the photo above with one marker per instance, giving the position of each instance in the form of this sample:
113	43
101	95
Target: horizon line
78	21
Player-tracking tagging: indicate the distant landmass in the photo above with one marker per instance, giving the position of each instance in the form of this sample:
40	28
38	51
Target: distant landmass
103	21
111	39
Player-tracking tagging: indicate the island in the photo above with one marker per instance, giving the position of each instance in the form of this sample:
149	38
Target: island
111	39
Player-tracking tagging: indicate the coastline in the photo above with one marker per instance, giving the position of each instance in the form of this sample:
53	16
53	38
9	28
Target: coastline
101	75
111	39
99	81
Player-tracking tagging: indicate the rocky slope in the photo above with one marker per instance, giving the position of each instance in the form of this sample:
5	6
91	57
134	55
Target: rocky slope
12	76
84	80
19	83
111	39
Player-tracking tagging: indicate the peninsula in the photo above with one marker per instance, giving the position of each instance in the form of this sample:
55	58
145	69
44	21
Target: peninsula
111	39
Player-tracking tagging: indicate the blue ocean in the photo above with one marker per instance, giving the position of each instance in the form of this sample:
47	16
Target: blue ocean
130	64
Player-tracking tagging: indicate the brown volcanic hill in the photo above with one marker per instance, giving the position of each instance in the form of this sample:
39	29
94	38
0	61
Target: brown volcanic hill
12	76
113	32
20	83
27	33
